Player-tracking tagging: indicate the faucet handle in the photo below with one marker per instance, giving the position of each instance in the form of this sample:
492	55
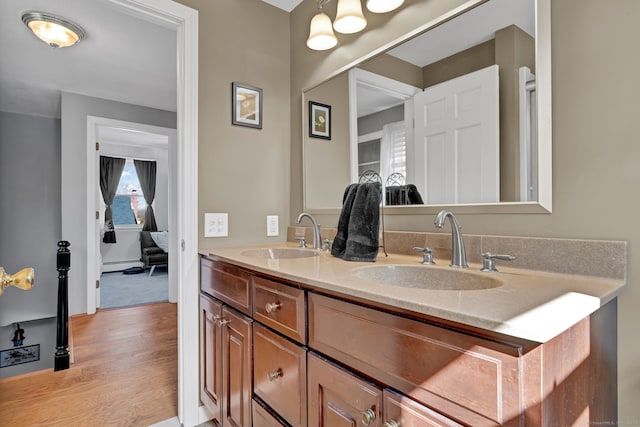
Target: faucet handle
301	241
489	261
427	255
326	245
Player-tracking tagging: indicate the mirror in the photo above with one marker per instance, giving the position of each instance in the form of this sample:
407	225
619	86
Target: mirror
502	164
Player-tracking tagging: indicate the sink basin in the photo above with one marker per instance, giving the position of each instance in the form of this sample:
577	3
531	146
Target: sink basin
430	278
279	253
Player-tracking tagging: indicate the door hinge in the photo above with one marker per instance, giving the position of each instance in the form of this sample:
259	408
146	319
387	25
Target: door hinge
97	146
97	284
97	215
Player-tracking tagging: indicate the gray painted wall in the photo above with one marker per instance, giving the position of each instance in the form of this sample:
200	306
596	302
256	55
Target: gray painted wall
29	229
29	213
75	109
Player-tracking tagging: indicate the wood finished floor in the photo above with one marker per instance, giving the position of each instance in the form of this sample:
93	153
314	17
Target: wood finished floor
125	374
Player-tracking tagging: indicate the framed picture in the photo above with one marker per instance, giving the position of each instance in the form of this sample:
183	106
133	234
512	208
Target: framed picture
319	120
19	355
246	105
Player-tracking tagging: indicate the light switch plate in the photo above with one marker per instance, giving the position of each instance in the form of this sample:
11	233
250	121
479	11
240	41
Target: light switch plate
216	225
272	226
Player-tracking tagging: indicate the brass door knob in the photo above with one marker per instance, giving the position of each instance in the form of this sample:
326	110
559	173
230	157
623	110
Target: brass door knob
23	279
368	416
272	307
223	322
391	423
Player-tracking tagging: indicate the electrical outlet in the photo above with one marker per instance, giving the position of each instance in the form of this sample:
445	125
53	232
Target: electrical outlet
272	225
216	225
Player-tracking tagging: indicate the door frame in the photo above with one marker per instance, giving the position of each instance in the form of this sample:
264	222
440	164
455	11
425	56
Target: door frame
93	196
184	20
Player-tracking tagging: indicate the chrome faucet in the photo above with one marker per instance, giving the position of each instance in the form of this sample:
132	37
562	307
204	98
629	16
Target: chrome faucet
458	254
317	242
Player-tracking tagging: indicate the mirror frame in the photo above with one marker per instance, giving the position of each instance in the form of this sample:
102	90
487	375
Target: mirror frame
543	111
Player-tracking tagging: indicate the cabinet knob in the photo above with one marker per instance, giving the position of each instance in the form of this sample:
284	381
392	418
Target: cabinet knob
391	423
272	307
274	375
223	322
368	416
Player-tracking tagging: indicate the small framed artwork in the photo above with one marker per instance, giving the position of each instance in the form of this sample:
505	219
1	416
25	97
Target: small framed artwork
319	120
246	105
19	355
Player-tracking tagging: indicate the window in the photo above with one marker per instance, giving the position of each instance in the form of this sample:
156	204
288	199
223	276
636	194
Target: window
129	206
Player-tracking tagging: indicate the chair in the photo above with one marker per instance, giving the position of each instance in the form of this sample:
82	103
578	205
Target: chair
151	255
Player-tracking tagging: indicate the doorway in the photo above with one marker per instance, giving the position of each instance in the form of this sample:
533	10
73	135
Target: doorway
132	141
183	249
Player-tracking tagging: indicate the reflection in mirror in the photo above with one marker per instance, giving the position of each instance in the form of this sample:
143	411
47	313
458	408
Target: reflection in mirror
452	111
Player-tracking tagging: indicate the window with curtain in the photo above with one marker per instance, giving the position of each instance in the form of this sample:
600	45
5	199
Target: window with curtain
129	206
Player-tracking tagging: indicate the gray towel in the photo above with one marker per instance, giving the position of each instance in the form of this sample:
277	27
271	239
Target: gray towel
358	226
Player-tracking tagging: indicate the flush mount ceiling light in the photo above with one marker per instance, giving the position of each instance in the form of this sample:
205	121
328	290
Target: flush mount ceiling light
53	30
383	6
321	36
349	17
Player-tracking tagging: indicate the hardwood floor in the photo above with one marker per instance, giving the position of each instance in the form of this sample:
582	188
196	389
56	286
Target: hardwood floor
125	374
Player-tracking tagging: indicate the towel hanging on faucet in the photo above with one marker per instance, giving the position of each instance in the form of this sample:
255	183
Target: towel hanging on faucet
358	226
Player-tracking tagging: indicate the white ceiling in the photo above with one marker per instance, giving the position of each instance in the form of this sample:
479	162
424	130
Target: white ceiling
123	58
126	59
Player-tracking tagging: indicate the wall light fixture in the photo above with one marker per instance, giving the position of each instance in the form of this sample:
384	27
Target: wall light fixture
349	20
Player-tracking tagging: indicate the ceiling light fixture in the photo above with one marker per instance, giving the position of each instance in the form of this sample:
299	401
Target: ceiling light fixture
349	17
53	30
321	36
383	6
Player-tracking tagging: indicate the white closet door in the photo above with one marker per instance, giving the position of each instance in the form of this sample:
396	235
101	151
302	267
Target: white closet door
457	140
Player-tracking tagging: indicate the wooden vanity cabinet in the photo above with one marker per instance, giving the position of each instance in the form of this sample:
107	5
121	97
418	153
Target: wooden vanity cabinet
368	366
225	348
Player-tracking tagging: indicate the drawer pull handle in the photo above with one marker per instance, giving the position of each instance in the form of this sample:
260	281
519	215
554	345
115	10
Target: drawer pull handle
391	423
223	322
272	307
274	375
368	416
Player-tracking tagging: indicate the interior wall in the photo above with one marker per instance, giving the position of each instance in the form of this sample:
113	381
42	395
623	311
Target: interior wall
75	109
29	213
243	171
595	150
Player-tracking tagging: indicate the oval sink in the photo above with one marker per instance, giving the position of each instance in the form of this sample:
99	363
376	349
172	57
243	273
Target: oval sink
423	277
279	253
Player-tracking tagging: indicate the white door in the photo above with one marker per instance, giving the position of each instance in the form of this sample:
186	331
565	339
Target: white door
457	140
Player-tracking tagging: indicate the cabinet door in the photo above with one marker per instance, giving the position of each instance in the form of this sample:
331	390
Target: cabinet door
339	399
236	360
210	355
401	411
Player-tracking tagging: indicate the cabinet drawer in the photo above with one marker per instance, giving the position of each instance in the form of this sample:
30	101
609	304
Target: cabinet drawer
227	283
339	399
279	374
262	417
399	411
281	307
470	379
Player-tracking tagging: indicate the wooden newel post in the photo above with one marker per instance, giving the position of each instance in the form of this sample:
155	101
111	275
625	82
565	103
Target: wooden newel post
63	263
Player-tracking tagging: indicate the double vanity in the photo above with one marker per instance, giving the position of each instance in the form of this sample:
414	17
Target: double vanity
294	336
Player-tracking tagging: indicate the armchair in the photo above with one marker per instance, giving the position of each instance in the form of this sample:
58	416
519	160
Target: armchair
150	254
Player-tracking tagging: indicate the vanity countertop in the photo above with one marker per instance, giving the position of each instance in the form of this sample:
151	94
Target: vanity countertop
532	305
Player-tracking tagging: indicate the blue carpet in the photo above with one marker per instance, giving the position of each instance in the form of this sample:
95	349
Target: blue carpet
122	290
